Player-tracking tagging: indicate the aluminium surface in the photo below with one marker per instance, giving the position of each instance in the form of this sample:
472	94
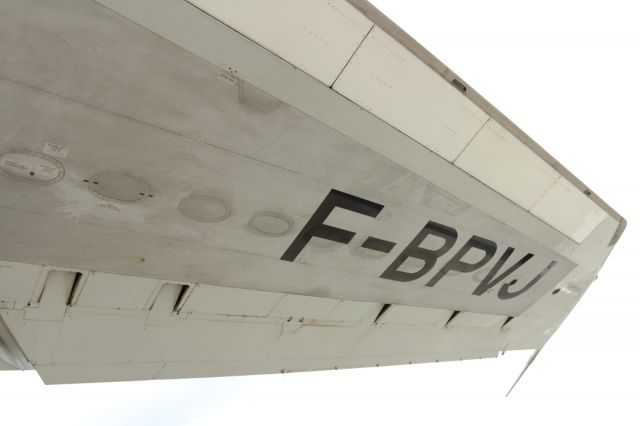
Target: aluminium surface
422	53
281	225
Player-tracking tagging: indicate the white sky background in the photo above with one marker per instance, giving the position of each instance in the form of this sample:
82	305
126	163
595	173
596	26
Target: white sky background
564	71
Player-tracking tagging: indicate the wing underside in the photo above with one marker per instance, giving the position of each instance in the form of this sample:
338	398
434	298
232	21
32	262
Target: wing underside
188	192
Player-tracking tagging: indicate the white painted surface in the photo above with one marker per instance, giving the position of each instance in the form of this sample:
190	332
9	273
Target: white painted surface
306	307
474	320
569	210
317	36
386	79
18	281
413	315
349	311
230	301
102	290
300	333
498	159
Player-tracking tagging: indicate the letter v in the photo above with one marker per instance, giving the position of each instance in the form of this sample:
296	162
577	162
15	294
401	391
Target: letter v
488	281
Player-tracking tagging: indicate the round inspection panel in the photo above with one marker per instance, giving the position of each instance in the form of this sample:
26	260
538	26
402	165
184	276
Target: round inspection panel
204	208
118	187
31	167
270	224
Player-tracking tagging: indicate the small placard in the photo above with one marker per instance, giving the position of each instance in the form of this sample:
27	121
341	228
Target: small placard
55	150
15	165
227	77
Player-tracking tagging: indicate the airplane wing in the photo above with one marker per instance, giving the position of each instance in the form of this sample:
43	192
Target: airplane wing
216	187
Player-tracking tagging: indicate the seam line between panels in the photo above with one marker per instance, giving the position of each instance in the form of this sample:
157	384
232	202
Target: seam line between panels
352	55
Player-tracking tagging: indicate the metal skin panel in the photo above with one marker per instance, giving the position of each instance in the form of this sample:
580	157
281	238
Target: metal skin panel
18	281
303	306
525	178
530	182
411	315
317	36
228	301
473	320
387	65
579	220
256	178
110	290
398	34
349	311
386	79
108	343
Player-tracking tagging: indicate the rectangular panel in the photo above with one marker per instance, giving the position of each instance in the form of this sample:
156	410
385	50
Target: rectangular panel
413	315
496	158
473	320
306	307
390	82
116	291
18	281
349	311
569	210
207	299
316	36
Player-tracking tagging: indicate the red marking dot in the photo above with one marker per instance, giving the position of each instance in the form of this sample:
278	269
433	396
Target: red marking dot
31	174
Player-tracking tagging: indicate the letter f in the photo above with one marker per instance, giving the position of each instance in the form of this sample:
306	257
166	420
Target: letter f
316	227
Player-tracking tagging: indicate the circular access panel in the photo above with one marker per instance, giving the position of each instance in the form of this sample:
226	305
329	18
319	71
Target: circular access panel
270	224
204	208
118	187
31	167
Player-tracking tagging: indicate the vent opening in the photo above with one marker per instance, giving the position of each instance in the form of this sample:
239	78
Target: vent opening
451	318
74	287
384	309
